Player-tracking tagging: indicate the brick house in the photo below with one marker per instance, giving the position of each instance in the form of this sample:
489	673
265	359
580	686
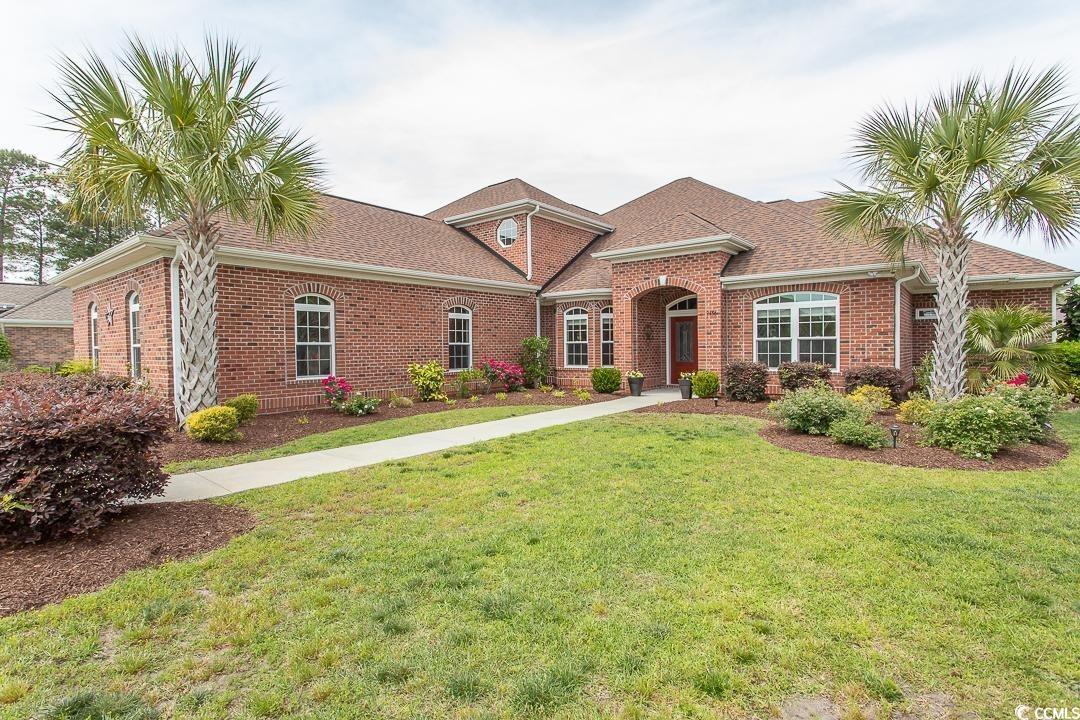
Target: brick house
687	276
37	322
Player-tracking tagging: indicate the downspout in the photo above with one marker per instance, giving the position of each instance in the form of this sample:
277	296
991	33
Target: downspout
174	292
528	243
537	314
1053	314
896	317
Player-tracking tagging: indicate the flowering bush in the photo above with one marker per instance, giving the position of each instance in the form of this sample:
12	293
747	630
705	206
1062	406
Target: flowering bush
337	390
360	405
977	426
1039	402
1021	379
509	374
813	410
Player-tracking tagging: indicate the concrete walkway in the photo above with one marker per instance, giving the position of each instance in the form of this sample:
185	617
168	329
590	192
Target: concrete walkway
226	480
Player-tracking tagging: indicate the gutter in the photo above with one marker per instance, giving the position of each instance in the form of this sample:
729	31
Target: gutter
896	315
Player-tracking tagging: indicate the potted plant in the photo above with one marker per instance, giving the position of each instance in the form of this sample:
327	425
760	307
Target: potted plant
635	378
686	385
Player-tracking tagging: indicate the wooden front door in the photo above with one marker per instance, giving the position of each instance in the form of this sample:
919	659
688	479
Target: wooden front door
683	346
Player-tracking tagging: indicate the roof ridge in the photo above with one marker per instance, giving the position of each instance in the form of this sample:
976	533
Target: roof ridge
379	207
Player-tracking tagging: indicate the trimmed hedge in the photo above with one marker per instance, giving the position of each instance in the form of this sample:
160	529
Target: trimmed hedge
72	450
885	376
246	406
745	381
213	424
606	379
1070	354
796	375
706	383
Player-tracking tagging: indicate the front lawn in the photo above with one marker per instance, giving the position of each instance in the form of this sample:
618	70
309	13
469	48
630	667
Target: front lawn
630	566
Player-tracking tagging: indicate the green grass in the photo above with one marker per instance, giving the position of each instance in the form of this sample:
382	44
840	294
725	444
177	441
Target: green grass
631	566
369	432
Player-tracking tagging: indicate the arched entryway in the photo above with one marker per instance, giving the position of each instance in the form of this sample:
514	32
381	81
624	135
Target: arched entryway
681	342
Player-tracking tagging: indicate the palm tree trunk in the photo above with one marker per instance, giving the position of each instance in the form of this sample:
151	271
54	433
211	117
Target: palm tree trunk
947	380
198	316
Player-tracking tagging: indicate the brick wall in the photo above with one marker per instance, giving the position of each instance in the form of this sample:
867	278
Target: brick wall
569	376
151	281
39	345
380	327
554	244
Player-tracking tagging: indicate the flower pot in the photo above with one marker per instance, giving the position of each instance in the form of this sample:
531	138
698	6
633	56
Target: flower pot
635	385
686	387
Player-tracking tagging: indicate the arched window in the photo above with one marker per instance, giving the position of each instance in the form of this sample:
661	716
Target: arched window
607	336
95	348
314	337
134	336
576	338
687	303
460	337
797	327
507	232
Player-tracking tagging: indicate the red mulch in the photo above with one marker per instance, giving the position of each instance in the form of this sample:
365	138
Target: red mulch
910	453
278	428
138	536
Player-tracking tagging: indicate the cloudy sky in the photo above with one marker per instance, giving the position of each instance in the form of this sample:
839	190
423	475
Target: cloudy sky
414	104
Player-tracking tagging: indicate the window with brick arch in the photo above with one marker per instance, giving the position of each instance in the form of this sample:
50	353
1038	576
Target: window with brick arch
607	337
797	327
460	337
314	337
576	338
134	336
95	347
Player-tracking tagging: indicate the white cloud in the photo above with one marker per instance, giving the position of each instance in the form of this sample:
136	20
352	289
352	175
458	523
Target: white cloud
414	105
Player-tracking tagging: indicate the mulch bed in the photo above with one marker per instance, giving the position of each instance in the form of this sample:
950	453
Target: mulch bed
909	454
271	430
138	536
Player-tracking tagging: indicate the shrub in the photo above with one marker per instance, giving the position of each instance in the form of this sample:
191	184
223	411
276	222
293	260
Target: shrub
534	360
502	396
745	381
873	396
706	383
814	409
246	406
73	450
464	378
34	369
1070	355
924	372
5	347
554	394
855	430
336	390
214	424
977	426
882	376
510	375
795	375
915	410
427	380
474	399
606	379
400	401
1038	401
75	367
360	405
582	394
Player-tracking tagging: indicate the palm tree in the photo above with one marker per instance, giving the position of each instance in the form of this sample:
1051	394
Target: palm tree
1005	341
978	157
196	139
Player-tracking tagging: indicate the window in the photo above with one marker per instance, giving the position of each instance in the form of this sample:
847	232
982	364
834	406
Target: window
576	337
460	338
801	326
689	303
134	335
95	348
314	337
607	337
507	232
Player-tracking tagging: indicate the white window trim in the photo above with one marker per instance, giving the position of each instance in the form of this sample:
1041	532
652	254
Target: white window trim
794	321
451	315
668	314
607	313
333	332
134	305
566	342
498	232
95	339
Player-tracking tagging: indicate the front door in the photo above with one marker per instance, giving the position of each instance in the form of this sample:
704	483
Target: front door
683	347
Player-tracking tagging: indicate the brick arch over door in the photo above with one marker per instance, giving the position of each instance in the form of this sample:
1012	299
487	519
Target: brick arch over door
672	281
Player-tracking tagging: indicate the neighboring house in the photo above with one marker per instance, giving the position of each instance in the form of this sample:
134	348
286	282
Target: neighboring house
37	322
687	276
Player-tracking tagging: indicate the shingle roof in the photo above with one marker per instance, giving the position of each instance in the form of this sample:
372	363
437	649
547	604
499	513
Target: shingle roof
20	293
357	232
54	304
505	192
787	236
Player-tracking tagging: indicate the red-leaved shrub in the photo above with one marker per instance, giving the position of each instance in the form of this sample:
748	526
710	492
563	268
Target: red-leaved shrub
72	449
745	381
885	376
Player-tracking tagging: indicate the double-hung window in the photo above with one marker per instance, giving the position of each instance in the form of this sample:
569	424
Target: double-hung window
314	337
607	337
95	347
460	338
797	327
576	337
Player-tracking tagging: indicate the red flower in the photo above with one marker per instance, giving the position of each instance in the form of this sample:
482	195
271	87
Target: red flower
1021	379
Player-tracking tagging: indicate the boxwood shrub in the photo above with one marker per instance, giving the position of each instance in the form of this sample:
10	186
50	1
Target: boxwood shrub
213	424
606	379
706	383
795	375
745	381
885	376
72	450
246	406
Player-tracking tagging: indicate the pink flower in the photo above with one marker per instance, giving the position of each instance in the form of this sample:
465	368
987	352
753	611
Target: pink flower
1021	379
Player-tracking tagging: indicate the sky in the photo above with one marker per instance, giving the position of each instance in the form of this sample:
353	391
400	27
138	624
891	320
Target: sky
415	104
